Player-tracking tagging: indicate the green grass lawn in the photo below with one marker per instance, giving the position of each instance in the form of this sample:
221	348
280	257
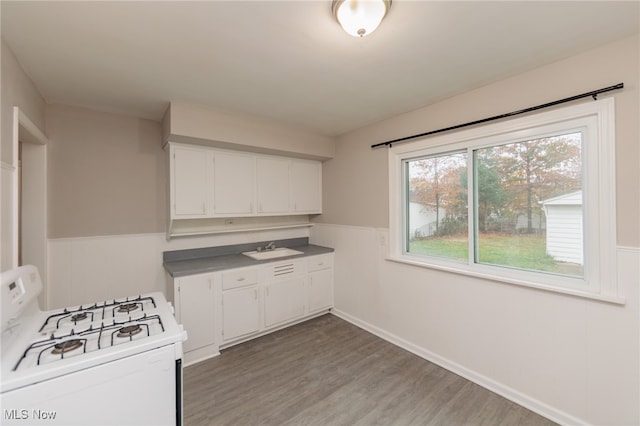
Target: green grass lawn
518	251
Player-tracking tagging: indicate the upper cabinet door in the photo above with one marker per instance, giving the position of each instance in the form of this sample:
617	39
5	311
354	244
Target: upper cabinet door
272	181
234	184
190	181
209	183
306	186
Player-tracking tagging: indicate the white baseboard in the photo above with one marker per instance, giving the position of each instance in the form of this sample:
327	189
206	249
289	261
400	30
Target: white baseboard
532	404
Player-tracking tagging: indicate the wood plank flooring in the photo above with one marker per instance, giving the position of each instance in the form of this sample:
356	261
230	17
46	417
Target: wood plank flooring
327	371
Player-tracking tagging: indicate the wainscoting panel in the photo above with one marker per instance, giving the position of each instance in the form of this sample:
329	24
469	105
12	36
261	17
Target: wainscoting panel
90	269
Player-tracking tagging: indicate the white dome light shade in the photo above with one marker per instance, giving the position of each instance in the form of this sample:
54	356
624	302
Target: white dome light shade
360	17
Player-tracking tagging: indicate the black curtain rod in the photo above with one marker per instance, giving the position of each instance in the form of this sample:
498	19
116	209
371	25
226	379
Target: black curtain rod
593	94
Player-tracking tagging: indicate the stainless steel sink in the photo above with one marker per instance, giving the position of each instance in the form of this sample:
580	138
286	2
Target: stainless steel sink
272	254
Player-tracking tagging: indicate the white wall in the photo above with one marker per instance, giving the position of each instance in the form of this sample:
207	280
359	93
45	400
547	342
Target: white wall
16	89
355	181
191	123
571	359
107	173
89	269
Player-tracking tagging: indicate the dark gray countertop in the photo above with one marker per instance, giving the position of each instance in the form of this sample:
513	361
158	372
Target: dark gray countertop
210	259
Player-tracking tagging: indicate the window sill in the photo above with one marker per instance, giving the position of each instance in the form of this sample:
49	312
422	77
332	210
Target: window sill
523	283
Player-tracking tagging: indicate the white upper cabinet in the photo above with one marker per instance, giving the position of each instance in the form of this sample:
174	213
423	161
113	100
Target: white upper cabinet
190	182
272	181
234	184
215	183
306	186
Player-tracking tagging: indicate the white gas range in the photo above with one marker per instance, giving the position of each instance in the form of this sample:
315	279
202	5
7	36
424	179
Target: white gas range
115	362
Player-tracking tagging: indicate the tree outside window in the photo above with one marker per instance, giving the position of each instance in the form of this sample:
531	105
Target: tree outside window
511	182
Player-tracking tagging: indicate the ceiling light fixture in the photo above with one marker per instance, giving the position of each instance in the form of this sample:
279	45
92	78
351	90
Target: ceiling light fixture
360	17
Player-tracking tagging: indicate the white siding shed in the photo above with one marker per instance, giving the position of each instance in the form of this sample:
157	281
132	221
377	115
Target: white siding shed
422	219
564	227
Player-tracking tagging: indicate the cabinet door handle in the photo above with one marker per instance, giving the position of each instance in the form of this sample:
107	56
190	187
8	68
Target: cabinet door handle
240	279
255	294
204	206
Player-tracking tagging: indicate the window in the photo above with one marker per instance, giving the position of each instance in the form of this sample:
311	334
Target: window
529	201
436	206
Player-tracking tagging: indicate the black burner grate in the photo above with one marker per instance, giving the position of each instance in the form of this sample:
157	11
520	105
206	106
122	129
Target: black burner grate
115	331
103	309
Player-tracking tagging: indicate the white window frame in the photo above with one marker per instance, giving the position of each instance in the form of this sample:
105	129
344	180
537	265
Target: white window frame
597	121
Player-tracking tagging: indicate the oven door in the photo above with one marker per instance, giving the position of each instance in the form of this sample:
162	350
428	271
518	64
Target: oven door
138	390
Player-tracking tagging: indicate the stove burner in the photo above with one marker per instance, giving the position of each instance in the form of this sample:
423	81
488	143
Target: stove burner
128	307
79	317
129	331
66	346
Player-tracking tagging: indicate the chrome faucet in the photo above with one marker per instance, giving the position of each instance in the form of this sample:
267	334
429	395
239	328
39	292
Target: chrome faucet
270	246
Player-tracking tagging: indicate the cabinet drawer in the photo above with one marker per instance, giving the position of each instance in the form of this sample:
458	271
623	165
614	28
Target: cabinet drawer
235	278
317	263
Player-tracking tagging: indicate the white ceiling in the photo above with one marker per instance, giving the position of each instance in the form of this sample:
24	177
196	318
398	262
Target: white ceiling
289	61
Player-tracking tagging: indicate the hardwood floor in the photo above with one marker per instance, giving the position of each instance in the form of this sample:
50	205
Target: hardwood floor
327	371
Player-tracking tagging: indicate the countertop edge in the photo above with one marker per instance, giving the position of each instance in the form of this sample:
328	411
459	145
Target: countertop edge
181	268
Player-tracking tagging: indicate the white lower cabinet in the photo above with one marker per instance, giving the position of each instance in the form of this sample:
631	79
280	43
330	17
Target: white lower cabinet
195	300
221	309
240	312
256	300
320	290
284	301
240	303
320	293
